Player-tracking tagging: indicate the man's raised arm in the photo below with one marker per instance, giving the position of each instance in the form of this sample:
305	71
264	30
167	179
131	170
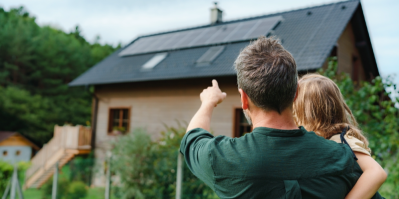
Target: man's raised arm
210	98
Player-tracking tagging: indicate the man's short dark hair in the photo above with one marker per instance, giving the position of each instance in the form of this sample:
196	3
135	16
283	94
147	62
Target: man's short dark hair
267	73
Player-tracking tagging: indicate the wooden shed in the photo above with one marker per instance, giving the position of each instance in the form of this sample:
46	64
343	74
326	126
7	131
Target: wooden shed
14	147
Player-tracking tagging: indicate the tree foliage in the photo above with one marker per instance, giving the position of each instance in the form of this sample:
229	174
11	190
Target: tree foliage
147	169
378	118
36	65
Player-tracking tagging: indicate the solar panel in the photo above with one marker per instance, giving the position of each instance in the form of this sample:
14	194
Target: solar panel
263	28
210	35
223	32
233	32
174	38
189	37
133	49
201	40
244	28
157	41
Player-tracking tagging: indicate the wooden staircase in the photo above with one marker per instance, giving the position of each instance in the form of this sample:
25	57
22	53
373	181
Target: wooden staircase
68	141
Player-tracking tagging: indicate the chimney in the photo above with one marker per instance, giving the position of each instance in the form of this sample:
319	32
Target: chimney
216	14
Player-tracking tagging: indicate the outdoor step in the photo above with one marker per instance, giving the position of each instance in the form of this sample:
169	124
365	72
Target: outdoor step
65	158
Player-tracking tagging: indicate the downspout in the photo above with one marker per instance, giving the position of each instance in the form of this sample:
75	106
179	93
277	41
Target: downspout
94	119
93	127
94	123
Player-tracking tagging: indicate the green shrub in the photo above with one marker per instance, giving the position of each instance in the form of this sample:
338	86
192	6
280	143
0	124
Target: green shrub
77	190
147	169
5	175
6	170
81	168
62	188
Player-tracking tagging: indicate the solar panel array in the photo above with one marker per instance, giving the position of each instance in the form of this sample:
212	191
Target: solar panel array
232	32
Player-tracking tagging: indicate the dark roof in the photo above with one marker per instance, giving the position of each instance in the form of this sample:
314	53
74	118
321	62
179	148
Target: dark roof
309	34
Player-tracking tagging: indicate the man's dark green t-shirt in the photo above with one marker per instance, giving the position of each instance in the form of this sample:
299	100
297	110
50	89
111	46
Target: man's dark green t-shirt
271	163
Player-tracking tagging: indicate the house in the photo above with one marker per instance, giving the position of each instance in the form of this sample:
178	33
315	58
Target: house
14	147
157	78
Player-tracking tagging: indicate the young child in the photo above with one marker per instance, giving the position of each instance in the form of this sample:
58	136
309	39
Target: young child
320	107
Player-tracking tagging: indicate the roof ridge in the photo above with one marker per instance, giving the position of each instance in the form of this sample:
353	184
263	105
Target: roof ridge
293	10
242	19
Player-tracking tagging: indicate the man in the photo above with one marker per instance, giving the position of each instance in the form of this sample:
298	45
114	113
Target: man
277	159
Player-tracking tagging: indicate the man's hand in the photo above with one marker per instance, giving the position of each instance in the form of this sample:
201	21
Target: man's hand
212	95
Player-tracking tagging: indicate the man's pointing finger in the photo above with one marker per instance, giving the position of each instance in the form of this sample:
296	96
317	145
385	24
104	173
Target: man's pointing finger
215	83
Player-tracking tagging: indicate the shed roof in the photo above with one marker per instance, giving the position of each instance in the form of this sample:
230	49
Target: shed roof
4	135
309	34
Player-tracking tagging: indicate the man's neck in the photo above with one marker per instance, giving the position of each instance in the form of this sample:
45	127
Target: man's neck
272	119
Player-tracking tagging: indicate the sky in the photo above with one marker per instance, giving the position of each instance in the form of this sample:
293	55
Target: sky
120	21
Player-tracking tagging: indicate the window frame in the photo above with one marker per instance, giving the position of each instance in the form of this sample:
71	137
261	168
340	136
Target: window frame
109	127
236	121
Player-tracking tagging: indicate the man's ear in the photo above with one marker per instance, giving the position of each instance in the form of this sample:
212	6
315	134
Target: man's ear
244	99
296	92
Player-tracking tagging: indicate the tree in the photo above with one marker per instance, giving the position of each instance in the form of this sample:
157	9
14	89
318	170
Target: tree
37	63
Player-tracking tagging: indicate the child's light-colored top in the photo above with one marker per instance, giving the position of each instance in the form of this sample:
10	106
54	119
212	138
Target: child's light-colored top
355	144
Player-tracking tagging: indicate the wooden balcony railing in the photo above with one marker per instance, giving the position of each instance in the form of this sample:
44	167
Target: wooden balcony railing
67	140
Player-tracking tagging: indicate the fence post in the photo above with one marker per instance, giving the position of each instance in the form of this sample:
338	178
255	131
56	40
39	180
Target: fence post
108	181
6	191
179	177
13	182
55	182
18	185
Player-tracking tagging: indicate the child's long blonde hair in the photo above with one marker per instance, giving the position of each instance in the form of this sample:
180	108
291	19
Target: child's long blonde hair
320	107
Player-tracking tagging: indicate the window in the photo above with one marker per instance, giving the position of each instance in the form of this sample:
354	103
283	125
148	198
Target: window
18	152
210	55
241	125
118	120
5	153
154	61
334	52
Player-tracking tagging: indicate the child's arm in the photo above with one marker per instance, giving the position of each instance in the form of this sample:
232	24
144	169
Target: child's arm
370	181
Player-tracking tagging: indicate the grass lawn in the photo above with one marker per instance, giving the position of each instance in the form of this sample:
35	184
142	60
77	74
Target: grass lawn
33	194
94	193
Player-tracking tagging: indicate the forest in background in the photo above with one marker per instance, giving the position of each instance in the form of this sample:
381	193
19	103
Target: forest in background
36	65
